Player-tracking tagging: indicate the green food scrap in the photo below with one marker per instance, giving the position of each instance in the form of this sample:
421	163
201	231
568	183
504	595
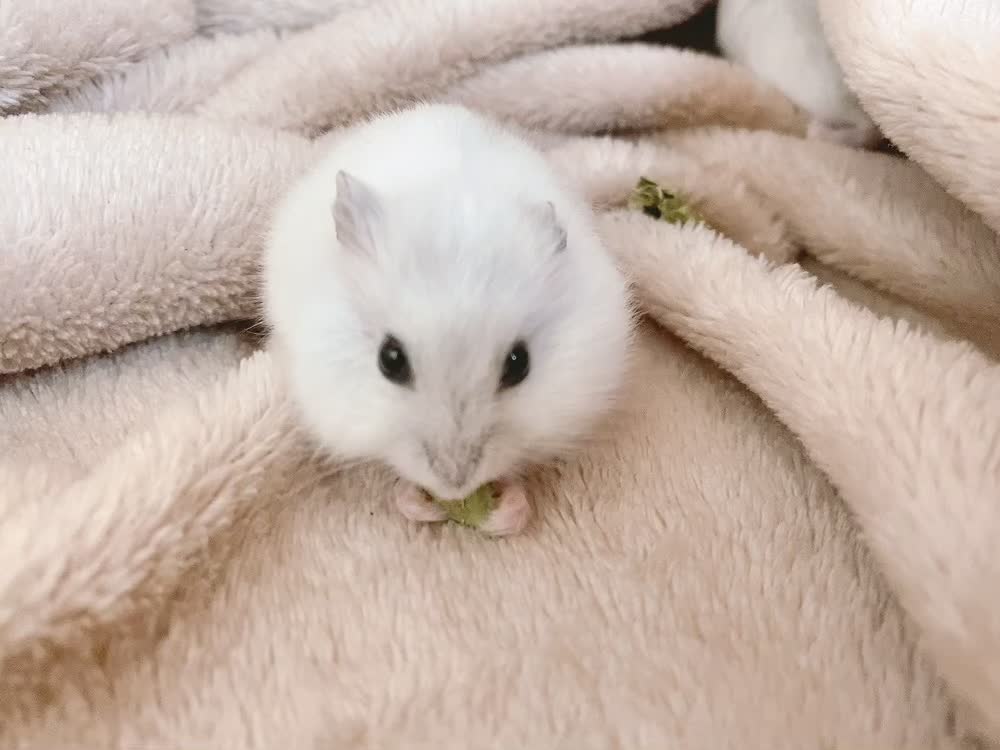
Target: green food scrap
474	509
654	201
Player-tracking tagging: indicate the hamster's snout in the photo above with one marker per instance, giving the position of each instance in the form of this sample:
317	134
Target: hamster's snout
454	468
449	493
446	490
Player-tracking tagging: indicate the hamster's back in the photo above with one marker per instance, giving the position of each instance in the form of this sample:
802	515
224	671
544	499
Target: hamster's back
433	144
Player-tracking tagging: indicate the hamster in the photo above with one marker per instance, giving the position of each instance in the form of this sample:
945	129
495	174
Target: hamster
441	303
783	42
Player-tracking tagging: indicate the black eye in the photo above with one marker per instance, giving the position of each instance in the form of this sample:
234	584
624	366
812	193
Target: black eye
393	363
515	366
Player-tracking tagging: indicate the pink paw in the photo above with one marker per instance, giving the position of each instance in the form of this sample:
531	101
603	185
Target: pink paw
511	513
414	503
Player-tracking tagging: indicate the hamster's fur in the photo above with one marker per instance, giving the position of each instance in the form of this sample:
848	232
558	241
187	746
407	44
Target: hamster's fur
455	237
783	42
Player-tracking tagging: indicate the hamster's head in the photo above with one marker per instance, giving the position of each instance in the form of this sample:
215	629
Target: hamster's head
456	338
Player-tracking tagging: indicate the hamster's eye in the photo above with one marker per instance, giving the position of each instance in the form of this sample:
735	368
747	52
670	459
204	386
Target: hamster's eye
515	366
393	363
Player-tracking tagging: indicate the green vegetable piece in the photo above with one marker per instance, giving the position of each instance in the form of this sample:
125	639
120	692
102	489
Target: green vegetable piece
654	201
474	509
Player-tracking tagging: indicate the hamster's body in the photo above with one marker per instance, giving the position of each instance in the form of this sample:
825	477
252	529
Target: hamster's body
437	233
783	42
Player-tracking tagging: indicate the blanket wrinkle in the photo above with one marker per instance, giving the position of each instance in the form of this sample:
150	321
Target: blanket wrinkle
326	79
633	87
642	87
880	219
198	263
119	545
73	413
941	577
53	46
173	80
246	16
782	540
898	55
224	246
883	304
606	169
355	573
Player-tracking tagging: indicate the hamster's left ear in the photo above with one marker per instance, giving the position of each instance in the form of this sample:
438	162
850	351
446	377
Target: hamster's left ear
554	231
356	210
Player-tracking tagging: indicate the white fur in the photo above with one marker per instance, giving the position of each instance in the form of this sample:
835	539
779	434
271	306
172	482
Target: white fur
783	42
459	264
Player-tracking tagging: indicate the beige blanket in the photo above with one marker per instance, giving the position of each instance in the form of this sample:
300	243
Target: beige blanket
785	539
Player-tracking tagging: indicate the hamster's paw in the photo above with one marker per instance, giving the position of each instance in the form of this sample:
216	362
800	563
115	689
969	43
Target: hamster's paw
855	135
511	513
414	503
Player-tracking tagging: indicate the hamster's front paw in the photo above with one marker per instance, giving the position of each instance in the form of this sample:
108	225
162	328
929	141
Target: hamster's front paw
414	503
511	513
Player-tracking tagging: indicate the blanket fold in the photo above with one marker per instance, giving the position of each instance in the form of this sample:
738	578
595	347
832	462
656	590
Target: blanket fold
783	537
904	421
937	59
172	80
243	16
156	251
119	545
51	46
414	49
878	218
634	87
606	170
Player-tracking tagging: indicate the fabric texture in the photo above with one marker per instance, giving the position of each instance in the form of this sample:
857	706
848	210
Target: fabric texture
784	538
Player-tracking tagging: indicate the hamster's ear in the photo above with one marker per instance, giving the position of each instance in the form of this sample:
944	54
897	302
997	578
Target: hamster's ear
356	212
551	226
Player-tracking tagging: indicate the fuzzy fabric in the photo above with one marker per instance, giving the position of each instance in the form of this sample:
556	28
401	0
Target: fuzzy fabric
785	538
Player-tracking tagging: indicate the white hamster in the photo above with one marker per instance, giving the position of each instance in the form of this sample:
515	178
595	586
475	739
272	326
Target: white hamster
783	42
442	303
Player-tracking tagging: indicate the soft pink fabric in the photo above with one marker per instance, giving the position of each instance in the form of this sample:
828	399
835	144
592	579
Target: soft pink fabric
784	538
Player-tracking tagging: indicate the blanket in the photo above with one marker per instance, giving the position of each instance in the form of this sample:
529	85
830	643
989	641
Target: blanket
784	537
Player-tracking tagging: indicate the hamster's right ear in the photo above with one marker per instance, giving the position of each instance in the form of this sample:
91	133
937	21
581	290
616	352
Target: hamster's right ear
548	223
356	212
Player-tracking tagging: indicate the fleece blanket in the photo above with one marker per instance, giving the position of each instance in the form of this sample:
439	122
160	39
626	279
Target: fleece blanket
785	537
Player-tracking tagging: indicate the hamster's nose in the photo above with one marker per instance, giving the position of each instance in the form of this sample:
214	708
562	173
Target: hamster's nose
450	490
458	482
443	489
453	474
447	493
